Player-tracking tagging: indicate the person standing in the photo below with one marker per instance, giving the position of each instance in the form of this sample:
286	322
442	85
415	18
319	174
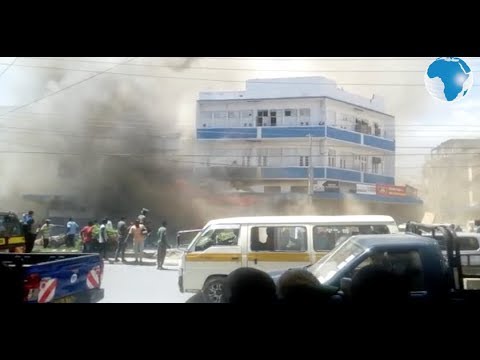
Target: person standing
72	229
138	232
28	231
122	239
87	237
45	233
102	239
162	245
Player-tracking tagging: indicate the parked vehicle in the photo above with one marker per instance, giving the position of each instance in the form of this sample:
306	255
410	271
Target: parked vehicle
47	278
433	276
266	243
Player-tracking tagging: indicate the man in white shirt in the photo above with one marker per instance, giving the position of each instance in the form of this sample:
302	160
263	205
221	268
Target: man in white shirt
102	239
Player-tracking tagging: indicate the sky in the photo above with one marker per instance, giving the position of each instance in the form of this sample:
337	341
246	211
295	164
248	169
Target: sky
422	122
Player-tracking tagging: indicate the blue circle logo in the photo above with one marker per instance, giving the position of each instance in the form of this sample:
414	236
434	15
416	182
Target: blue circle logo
448	79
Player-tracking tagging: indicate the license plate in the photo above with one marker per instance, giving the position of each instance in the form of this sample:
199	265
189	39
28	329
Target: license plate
66	299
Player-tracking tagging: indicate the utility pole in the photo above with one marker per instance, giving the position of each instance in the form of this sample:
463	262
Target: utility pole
310	172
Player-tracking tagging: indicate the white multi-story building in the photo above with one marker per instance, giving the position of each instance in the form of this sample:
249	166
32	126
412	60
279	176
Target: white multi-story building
261	136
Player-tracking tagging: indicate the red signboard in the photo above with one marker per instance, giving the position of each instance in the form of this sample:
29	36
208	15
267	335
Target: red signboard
391	190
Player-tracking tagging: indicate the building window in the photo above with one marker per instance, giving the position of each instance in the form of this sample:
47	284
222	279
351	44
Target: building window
376	165
343	163
247	117
264	163
233	115
304	160
332	158
290	112
273	117
304	116
363	163
246	161
206	115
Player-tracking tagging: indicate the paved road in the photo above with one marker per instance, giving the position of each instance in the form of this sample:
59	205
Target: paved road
124	283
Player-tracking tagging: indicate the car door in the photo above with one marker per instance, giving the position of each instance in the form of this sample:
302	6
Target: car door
216	252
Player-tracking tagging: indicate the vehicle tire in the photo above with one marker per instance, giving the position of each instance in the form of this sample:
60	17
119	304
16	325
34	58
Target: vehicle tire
213	290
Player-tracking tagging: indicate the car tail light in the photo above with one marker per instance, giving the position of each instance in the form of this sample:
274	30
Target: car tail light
99	271
31	287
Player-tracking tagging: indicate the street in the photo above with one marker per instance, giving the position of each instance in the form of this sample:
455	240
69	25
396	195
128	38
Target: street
124	283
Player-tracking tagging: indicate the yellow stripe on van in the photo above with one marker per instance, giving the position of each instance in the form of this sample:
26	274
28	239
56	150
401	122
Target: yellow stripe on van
279	256
2	241
213	257
319	255
16	240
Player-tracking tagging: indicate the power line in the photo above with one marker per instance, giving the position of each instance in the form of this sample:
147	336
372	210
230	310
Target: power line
206	163
8	67
58	91
258	81
101	117
224	68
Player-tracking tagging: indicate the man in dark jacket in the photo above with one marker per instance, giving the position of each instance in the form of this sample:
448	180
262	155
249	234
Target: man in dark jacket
28	231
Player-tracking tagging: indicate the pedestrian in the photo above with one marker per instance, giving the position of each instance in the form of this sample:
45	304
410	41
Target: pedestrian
122	239
102	239
145	222
138	232
72	230
44	232
143	216
28	231
162	245
86	235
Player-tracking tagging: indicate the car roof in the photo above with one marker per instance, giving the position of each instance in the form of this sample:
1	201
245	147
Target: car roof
470	234
340	219
400	239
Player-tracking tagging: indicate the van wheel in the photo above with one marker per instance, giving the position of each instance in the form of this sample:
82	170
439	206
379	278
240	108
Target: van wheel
213	290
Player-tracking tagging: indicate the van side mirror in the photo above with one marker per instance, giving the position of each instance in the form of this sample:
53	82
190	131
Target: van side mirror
345	285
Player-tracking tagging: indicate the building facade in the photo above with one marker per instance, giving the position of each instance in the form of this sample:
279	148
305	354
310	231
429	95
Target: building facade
452	180
297	135
264	133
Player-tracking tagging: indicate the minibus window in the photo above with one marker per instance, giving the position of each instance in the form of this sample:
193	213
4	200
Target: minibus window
217	237
278	238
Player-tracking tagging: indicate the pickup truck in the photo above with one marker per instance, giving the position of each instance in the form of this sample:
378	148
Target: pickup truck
435	275
51	278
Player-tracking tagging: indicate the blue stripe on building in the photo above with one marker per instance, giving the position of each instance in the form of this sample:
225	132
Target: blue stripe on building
379	143
289	132
344	135
342	174
285	173
319	173
227	133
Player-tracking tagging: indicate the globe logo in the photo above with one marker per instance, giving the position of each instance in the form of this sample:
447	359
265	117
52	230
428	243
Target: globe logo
448	79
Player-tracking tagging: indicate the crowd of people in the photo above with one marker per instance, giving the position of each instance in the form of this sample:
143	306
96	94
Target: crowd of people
96	237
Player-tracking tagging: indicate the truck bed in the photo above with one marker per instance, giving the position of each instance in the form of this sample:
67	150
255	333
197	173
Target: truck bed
44	277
